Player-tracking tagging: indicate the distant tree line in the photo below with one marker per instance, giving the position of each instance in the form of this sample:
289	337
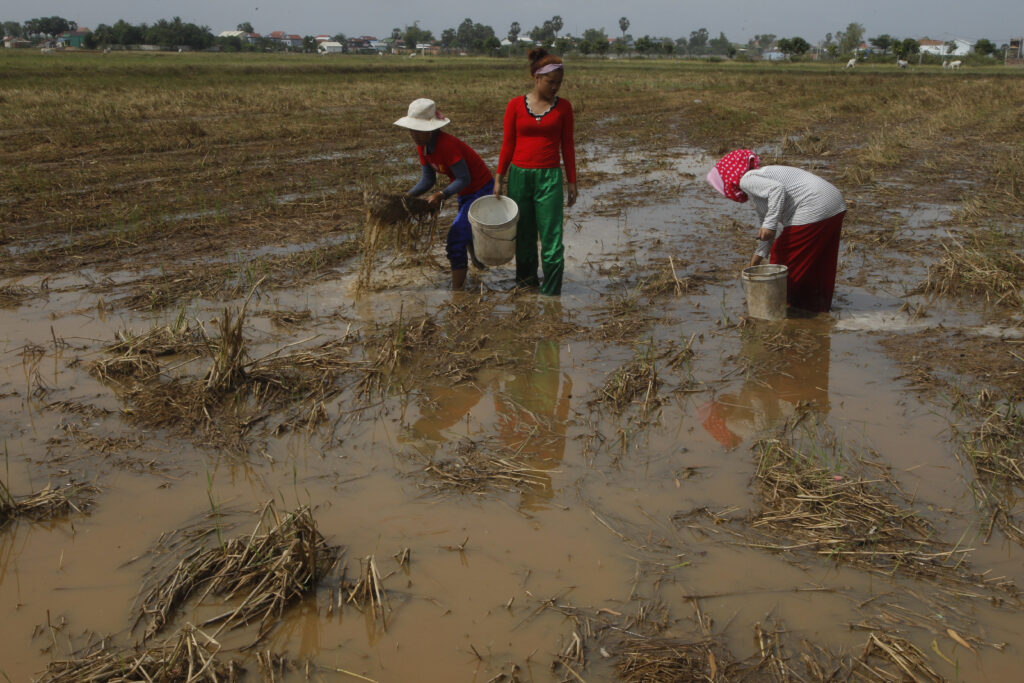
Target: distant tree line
168	33
470	36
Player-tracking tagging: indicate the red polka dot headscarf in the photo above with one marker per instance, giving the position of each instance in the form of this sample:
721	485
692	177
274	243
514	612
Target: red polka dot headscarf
725	176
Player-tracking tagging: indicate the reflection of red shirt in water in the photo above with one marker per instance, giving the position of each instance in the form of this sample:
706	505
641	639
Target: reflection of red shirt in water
448	151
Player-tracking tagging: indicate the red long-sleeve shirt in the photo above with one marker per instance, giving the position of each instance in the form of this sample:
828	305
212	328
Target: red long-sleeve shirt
535	142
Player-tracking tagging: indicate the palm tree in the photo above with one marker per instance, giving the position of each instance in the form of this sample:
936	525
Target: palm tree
623	25
556	24
513	32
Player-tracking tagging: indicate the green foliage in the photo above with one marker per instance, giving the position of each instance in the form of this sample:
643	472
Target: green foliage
470	35
906	47
644	45
985	47
882	42
177	32
623	25
851	38
698	43
544	34
52	26
721	45
414	35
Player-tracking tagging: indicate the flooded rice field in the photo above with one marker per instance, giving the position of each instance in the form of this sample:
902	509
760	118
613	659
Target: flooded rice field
309	480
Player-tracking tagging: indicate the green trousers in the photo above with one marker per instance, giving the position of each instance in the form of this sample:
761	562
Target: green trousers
538	193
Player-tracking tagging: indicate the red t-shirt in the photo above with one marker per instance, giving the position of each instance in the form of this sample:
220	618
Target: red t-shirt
449	150
535	142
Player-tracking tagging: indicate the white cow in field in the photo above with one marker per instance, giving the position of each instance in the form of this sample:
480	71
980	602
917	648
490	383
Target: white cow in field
952	65
850	64
902	63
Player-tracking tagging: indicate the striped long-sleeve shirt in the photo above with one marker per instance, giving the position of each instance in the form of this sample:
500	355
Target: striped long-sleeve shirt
785	196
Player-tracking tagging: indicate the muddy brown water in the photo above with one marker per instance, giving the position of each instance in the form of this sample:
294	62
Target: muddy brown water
594	532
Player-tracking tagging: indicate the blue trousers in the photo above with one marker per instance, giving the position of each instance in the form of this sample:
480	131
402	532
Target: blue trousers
460	235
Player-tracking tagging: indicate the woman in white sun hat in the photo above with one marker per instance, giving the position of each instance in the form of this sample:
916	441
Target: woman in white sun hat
468	174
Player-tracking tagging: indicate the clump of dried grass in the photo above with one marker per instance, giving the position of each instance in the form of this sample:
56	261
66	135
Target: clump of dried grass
189	657
135	355
392	220
235	392
622	318
48	503
653	660
994	272
635	383
14	295
843	516
475	469
995	451
665	281
368	592
273	567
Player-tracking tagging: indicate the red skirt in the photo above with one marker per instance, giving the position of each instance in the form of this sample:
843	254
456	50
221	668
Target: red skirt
811	252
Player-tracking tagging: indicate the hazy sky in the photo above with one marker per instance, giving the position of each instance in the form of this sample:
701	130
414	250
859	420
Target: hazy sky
997	20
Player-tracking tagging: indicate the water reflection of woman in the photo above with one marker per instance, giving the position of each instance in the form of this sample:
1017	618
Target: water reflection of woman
532	413
781	377
443	407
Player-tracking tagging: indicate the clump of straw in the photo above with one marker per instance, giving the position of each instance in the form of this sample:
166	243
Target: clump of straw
843	516
45	504
183	659
634	383
273	567
475	471
995	272
368	592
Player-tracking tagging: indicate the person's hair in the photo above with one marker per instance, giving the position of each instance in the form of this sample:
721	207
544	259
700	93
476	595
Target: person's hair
539	57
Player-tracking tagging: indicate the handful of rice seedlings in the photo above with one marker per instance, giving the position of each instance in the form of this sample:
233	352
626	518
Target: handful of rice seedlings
394	220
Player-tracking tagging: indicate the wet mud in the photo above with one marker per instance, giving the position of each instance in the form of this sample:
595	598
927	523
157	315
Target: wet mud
581	472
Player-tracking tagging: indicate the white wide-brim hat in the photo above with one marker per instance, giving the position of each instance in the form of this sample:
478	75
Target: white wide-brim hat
423	115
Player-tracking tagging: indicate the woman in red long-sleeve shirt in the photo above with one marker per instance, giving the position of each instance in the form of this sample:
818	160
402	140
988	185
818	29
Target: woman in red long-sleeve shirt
538	140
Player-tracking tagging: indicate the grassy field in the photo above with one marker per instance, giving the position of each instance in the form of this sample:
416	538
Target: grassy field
572	489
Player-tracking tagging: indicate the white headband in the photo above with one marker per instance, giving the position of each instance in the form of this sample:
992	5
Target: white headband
547	68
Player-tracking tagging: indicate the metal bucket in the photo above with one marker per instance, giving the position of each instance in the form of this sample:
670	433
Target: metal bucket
765	286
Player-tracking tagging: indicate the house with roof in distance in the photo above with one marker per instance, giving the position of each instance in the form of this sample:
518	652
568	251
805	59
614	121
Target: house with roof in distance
74	38
288	40
330	47
940	48
367	45
13	42
245	37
